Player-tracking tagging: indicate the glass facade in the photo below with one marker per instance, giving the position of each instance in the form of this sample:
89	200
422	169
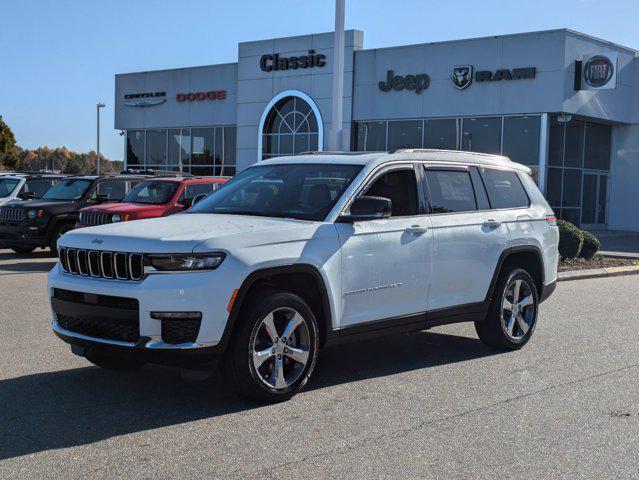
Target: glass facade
199	151
578	170
516	136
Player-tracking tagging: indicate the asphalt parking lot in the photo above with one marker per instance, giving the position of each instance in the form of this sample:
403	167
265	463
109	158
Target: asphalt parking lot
434	404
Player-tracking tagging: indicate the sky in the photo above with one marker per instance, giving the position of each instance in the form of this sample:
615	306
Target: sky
59	58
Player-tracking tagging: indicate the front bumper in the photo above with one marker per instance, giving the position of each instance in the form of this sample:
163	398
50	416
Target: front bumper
206	292
22	235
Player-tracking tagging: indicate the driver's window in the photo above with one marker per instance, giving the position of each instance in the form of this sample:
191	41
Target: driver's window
400	187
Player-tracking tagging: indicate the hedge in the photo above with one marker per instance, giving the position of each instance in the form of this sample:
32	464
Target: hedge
590	246
570	239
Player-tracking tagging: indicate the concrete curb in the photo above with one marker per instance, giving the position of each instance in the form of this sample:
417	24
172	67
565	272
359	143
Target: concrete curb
625	255
597	273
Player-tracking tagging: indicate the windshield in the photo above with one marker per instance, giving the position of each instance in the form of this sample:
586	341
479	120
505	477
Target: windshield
7	185
71	189
152	192
301	191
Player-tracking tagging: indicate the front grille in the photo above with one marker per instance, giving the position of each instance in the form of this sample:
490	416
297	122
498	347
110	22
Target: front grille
85	314
101	264
94	218
106	329
180	331
109	301
12	214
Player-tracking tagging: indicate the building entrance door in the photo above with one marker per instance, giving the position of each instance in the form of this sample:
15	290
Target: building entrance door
594	200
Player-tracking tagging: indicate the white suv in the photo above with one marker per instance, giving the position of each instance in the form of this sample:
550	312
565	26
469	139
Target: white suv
296	253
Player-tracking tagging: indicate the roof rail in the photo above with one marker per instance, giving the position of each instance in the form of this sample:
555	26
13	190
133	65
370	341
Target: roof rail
335	152
155	173
431	150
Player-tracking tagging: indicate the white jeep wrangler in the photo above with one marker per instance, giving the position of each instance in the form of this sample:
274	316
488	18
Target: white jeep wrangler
296	253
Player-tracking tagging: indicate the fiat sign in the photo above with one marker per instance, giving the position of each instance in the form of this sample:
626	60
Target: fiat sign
600	71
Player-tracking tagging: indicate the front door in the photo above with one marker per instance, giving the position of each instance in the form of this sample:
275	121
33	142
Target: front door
386	263
594	201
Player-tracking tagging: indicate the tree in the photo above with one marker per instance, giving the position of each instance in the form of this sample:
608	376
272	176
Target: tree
8	157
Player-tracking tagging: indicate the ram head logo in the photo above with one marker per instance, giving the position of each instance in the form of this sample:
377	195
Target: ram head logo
462	76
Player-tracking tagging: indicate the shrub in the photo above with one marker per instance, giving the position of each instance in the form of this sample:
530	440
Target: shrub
570	239
590	246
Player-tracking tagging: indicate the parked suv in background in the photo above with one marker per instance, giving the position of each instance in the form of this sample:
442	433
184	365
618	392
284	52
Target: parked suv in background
26	186
157	197
29	224
296	253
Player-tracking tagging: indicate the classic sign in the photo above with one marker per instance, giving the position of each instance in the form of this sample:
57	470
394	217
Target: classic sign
417	83
269	63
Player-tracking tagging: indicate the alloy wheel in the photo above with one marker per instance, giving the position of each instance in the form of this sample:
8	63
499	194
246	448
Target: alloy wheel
280	348
518	309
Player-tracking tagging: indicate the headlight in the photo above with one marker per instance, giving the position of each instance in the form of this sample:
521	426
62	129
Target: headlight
33	214
186	261
119	218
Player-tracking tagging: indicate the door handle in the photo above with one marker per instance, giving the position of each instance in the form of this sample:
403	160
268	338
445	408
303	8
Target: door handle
492	223
416	229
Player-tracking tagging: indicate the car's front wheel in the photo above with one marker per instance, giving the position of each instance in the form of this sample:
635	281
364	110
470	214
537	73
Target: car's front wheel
274	349
512	314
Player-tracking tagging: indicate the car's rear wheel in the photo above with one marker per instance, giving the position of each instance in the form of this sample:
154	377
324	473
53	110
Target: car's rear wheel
112	362
512	315
23	250
274	349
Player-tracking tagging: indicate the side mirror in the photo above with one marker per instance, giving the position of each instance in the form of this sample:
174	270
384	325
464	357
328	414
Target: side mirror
198	198
368	208
27	195
102	198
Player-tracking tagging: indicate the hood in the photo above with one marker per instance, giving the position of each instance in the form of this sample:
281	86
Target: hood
43	204
117	207
184	233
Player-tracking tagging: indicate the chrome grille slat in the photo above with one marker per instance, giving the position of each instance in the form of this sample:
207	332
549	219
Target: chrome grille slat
102	264
11	214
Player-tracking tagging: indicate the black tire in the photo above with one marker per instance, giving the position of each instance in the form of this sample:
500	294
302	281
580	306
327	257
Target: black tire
115	363
23	250
493	330
237	366
57	233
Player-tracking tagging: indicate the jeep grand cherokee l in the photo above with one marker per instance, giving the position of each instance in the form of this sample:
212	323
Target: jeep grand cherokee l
296	253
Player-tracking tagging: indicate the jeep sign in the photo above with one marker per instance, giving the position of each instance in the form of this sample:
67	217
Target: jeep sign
417	83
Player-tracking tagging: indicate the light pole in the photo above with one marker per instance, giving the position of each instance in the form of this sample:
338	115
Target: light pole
335	142
97	109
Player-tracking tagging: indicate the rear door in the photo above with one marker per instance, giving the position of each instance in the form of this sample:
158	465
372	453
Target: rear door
385	263
468	236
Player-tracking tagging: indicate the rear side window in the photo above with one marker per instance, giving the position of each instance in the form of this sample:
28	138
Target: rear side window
451	191
115	190
37	187
504	189
193	189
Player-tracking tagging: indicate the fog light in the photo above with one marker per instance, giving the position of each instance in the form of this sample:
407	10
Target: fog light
176	315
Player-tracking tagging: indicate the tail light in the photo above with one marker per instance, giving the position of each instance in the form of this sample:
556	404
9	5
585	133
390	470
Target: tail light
552	220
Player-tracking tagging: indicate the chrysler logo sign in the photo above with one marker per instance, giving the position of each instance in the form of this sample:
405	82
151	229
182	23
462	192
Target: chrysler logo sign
462	76
598	71
146	99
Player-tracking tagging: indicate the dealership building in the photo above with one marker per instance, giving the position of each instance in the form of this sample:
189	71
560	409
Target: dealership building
564	103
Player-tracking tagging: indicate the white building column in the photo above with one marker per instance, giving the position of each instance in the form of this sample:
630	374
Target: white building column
335	142
543	151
